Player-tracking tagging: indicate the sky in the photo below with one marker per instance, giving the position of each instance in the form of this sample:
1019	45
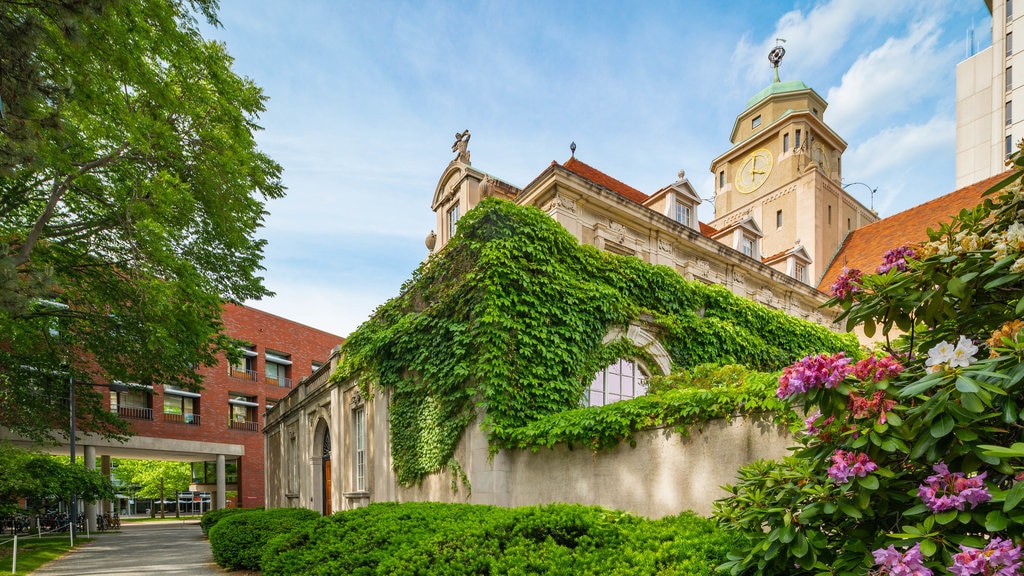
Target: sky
364	100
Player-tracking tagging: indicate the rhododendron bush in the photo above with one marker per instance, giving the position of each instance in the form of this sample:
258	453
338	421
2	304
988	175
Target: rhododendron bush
911	460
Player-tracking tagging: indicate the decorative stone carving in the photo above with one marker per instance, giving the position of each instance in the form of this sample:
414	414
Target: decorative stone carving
357	399
461	146
664	246
618	231
560	202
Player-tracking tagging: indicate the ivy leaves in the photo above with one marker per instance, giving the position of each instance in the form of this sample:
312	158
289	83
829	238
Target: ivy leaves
510	319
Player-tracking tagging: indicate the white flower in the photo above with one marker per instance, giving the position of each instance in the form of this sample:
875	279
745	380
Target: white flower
964	353
1015	235
939	354
1018	266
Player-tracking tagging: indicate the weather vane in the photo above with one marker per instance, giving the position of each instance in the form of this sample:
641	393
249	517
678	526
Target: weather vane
775	56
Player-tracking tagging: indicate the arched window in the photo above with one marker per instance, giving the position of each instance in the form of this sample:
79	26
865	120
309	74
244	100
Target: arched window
622	380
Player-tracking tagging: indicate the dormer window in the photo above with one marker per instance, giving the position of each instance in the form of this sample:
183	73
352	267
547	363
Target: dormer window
683	214
800	272
756	121
748	245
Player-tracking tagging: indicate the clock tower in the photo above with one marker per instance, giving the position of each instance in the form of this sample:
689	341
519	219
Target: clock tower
784	173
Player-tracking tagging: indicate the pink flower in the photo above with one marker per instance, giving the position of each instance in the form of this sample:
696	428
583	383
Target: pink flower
846	283
861	407
877	369
809	423
896	258
910	563
999	558
846	465
822	371
947	490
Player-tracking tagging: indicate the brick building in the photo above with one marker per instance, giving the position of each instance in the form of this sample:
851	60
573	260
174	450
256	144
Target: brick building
218	429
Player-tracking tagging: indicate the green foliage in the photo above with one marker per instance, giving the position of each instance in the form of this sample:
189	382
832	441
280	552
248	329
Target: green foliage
510	318
678	400
211	517
46	480
461	539
960	296
237	540
131	192
157	479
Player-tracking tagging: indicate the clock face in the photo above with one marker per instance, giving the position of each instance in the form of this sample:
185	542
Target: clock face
754	171
821	157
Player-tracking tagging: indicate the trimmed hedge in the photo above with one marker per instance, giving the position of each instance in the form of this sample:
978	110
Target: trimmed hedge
211	517
463	539
237	540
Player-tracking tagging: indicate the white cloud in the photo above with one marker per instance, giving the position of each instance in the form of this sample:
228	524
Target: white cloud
909	164
816	36
892	79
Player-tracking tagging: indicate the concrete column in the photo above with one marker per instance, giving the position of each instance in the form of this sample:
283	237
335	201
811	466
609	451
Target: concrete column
221	484
90	507
107	506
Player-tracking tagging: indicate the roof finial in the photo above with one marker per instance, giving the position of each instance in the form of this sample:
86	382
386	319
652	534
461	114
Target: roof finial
775	56
572	148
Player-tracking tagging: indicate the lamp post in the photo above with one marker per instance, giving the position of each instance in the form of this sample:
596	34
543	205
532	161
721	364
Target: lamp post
870	189
73	513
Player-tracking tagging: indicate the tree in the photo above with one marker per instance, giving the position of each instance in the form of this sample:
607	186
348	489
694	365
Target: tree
131	192
912	460
45	480
154	478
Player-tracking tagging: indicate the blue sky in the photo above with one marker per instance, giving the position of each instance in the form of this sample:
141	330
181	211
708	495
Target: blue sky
364	100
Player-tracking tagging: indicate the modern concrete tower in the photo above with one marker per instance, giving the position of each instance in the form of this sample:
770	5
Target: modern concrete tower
989	124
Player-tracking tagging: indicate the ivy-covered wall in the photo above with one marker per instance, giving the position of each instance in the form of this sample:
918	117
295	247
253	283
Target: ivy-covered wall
511	317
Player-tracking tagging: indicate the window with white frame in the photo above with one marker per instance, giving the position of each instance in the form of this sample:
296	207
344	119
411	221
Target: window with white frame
800	272
622	380
748	245
359	448
683	214
453	217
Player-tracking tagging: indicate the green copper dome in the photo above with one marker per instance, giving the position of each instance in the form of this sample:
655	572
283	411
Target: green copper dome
776	88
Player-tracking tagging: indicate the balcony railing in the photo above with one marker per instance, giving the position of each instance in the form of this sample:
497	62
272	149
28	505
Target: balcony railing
135	413
242	374
282	382
191	419
249	426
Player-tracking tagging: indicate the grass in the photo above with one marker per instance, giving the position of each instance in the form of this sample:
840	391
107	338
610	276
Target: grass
34	552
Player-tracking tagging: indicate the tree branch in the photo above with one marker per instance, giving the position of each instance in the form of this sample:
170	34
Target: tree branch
56	194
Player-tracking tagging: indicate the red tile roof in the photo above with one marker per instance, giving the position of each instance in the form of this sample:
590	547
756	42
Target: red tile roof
601	179
864	247
706	229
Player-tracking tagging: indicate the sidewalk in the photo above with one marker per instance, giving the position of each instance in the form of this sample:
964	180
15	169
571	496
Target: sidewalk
171	547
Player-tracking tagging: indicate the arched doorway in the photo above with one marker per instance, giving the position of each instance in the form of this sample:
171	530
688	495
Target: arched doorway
325	468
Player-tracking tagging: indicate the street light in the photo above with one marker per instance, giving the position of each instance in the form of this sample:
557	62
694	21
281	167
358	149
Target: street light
871	189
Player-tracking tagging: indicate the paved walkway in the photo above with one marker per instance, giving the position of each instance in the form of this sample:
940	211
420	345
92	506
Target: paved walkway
144	548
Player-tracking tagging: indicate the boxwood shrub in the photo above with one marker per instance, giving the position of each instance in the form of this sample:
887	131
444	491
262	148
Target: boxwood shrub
464	539
211	517
237	540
